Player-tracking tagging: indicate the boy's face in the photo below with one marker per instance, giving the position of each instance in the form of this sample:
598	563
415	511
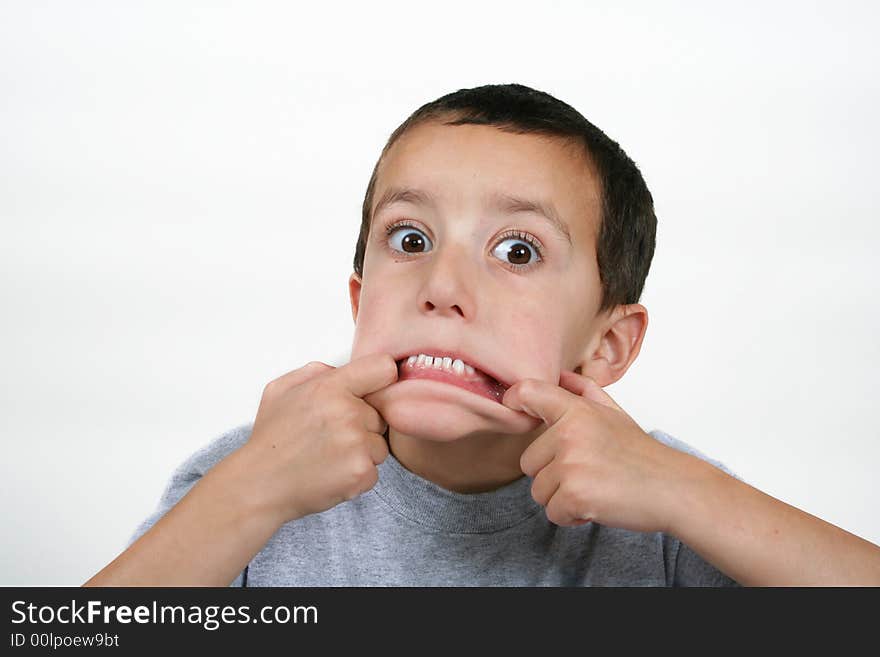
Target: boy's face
449	281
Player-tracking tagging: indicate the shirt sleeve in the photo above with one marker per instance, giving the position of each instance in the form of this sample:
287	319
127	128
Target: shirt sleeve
188	473
692	570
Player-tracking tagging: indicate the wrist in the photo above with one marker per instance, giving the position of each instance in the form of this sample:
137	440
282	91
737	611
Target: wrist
240	480
689	495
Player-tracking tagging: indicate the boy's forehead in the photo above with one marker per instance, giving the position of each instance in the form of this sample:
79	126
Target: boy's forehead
491	146
438	163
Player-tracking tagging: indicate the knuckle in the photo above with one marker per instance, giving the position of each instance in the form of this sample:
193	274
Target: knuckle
576	497
316	368
571	457
338	410
536	493
564	448
567	472
352	438
337	414
357	467
569	435
529	387
270	389
362	475
342	441
349	414
553	515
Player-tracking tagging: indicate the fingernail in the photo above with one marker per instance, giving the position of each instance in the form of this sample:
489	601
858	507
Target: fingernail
529	411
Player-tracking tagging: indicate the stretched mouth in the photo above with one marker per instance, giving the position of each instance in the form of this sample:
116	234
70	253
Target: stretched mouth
446	367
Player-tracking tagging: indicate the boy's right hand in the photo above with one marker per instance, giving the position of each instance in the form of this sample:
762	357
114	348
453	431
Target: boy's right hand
315	442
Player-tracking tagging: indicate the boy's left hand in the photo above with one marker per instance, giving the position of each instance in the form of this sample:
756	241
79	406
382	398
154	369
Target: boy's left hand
593	462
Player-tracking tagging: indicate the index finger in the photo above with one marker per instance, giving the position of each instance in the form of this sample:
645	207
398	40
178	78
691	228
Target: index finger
367	374
540	399
300	375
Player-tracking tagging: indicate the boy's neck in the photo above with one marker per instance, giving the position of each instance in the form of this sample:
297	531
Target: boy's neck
477	464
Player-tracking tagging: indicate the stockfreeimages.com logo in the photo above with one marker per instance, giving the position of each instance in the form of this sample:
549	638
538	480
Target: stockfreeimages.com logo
210	617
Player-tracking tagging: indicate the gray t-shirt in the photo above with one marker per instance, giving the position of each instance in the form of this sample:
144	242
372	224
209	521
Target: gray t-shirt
408	531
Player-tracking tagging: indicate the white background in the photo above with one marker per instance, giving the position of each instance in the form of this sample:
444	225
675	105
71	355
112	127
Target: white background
180	194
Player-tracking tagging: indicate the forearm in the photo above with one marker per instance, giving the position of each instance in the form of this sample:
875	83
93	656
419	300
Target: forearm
206	539
761	541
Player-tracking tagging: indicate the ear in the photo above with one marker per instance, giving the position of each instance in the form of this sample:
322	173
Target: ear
618	345
354	293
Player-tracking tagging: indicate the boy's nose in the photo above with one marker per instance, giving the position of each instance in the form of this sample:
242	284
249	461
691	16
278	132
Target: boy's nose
447	288
454	309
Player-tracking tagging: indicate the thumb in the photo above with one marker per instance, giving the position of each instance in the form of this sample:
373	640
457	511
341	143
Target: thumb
367	374
586	387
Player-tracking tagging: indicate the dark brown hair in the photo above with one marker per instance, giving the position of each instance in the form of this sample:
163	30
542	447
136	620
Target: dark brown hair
628	226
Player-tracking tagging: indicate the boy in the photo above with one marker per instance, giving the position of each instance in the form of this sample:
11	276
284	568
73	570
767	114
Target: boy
504	244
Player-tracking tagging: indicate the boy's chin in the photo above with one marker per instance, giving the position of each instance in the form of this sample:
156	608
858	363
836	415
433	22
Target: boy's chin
442	412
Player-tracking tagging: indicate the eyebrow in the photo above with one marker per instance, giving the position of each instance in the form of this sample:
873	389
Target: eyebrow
507	203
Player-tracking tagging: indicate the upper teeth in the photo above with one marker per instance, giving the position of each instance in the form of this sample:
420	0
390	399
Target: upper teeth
457	366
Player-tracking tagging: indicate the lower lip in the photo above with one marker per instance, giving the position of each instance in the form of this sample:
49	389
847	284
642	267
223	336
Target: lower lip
477	386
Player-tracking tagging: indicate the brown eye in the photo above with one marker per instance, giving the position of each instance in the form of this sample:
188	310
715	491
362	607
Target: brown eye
413	243
410	239
518	254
